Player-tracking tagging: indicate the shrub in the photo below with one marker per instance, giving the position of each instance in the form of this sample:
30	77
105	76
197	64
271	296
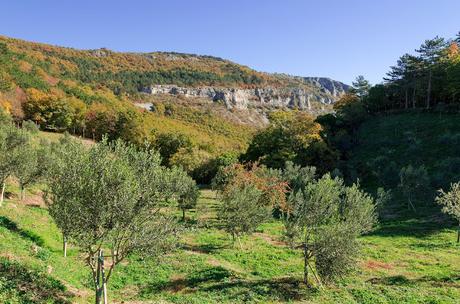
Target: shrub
30	126
450	202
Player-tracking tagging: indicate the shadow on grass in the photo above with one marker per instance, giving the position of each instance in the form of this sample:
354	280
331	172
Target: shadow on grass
25	234
29	286
188	222
220	280
411	227
206	248
400	280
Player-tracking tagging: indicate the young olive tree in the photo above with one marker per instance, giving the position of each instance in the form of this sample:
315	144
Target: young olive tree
324	218
241	210
247	197
12	140
111	199
450	202
32	164
65	165
186	191
413	183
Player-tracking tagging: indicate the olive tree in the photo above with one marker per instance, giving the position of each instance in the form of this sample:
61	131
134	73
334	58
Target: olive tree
247	197
12	140
450	202
32	164
111	199
323	218
64	166
241	210
414	182
185	189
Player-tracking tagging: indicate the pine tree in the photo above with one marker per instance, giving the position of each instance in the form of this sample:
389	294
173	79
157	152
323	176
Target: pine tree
430	52
361	86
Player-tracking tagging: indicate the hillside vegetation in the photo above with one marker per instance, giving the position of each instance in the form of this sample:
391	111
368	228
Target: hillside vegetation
340	208
91	93
410	262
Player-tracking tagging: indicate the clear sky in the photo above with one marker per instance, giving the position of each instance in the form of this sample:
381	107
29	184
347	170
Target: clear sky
338	39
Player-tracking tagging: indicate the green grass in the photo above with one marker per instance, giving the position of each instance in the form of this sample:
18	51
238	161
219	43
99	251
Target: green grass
407	261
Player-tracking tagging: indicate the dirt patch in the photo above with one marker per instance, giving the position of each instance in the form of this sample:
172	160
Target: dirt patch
78	293
269	239
180	283
371	264
35	200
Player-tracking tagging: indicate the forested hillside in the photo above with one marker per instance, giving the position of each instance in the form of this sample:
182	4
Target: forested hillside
92	93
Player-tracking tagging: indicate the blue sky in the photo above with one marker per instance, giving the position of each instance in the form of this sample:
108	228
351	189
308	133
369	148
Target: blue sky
338	39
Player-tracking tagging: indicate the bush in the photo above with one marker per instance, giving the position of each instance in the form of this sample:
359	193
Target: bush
30	126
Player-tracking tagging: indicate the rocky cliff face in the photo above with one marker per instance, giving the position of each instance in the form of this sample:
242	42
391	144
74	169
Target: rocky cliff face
317	90
327	85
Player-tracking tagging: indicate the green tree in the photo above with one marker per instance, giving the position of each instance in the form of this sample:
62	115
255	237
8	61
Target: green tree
414	183
430	52
32	164
241	211
186	190
248	196
65	154
404	76
450	202
324	218
169	144
190	160
360	86
11	141
115	193
291	136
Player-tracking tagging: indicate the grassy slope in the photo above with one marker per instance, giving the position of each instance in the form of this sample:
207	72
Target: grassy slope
413	139
400	264
405	260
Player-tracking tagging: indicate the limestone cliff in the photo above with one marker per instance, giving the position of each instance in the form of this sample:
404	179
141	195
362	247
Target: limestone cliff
309	95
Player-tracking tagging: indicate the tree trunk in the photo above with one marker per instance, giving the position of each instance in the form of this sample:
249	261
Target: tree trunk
410	204
183	215
406	105
2	194
458	234
64	245
23	192
98	296
414	94
305	264
428	91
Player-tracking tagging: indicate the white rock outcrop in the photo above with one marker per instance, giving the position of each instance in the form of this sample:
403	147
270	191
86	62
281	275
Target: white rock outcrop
297	97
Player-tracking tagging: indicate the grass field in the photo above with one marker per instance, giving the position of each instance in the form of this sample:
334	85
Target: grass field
413	261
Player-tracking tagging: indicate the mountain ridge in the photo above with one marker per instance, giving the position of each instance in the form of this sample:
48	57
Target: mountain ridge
132	73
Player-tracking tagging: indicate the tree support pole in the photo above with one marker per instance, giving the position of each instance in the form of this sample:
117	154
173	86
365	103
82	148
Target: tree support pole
98	279
2	194
104	282
64	245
